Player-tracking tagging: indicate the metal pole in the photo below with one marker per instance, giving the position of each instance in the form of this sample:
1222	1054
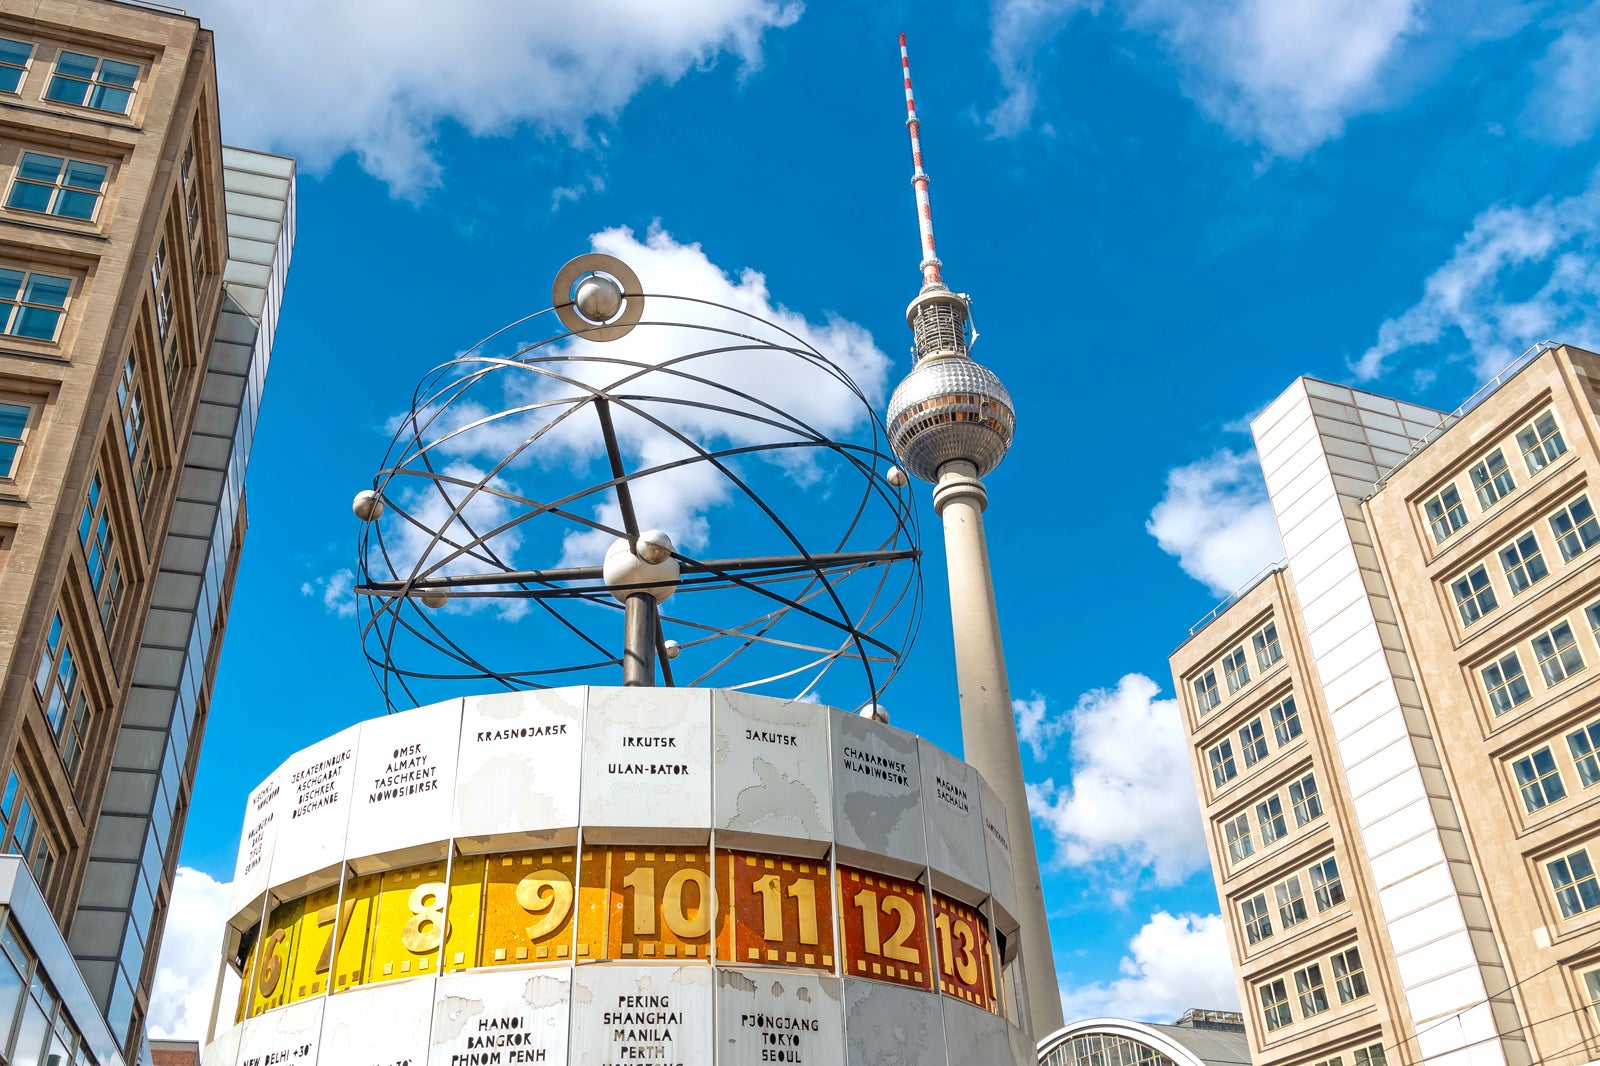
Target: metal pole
639	641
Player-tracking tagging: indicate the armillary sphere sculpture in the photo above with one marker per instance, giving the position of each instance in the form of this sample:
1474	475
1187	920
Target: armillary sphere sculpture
538	511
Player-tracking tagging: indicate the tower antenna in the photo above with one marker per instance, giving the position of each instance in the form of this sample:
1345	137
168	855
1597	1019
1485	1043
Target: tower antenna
919	180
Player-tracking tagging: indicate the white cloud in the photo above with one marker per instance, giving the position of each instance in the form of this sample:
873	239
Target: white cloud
1036	727
1174	962
1285	75
380	77
1520	274
336	591
1216	518
191	950
1131	801
481	428
1565	105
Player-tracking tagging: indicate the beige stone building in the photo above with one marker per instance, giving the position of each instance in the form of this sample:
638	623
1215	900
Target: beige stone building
141	265
1396	732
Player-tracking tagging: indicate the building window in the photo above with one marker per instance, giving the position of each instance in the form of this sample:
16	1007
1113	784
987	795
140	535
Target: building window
1236	670
1206	695
1505	684
1473	594
89	81
1267	648
1491	479
1557	652
31	305
1237	833
1572	877
61	693
1257	922
1592	612
100	553
14	419
1291	902
14	56
1371	1055
1269	816
1306	800
1584	744
1523	563
135	439
21	831
1274	1004
1221	759
1591	985
1576	528
1541	442
1348	976
1446	513
1539	779
1285	721
53	185
1252	742
1313	994
1337	1060
1326	887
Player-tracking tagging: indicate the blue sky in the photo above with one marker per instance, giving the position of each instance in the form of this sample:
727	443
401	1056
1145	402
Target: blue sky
1164	210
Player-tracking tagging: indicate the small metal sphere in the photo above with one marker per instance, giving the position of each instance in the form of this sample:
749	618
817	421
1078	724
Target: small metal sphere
875	711
598	298
435	598
896	477
367	505
947	409
654	546
672	649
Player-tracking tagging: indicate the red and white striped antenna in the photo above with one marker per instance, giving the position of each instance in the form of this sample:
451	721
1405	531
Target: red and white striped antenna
919	180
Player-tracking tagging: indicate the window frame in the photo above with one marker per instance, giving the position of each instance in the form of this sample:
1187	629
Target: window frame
1557	660
1236	669
1267	646
18	819
94	83
1219	758
1574	883
61	190
1354	974
1286	725
63	696
1253	742
1207	697
1589	732
1507	683
1310	800
14	308
1516	559
23	69
1290	897
1273	996
1445	517
1473	601
32	407
1270	816
1540	441
1311	988
1581	533
1236	837
1533	782
1329	885
1491	485
1257	928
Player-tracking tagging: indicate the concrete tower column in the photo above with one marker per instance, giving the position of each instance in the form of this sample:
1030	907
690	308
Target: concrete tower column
988	727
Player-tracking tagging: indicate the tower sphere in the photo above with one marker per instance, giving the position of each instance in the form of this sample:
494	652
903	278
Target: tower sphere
950	408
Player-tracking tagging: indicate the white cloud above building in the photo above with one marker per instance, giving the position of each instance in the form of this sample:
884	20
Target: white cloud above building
1216	520
1174	962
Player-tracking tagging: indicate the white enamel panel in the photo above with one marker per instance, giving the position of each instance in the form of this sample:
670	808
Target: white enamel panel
519	765
288	1036
768	1016
517	1015
997	844
646	762
653	1014
877	795
264	813
377	1025
950	798
317	785
404	779
770	760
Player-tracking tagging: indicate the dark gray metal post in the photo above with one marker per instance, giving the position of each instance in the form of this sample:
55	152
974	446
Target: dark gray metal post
639	641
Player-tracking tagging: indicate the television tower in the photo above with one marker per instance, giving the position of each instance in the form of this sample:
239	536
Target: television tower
950	423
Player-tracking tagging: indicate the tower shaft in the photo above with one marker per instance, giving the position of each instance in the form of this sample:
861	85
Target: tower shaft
988	727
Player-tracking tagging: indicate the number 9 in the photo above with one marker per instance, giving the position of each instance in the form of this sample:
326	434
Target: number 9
549	891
